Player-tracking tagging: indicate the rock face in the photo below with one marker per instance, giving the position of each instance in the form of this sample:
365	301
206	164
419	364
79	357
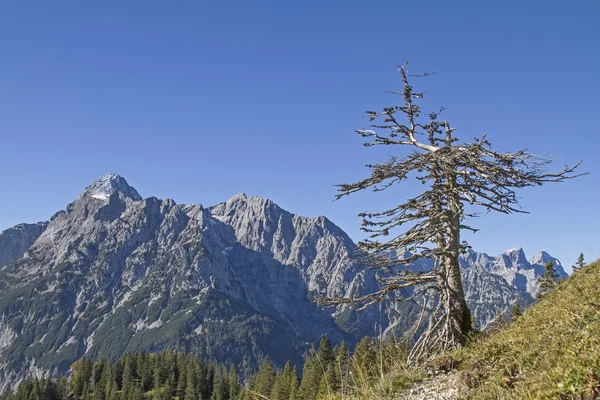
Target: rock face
15	241
115	273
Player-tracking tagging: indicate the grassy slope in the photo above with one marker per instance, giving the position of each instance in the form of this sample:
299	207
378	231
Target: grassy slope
551	351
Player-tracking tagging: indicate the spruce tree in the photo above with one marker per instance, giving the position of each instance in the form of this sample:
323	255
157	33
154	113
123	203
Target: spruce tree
329	383
127	380
342	365
325	354
102	386
181	375
311	379
294	384
166	393
282	386
265	378
579	264
547	280
234	385
191	383
85	395
365	356
136	394
220	385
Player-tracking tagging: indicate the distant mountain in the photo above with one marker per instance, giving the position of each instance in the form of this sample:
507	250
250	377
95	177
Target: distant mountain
15	241
115	273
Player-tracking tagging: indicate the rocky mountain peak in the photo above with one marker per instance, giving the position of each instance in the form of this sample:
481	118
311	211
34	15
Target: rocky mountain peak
541	258
236	281
108	185
238	197
513	258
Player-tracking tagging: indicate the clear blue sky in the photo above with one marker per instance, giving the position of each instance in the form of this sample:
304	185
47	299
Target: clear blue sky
197	101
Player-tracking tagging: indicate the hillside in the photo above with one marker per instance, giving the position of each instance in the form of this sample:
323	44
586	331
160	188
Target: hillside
116	273
552	351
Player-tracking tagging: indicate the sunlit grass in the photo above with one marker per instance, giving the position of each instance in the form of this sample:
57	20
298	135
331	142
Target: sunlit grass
552	351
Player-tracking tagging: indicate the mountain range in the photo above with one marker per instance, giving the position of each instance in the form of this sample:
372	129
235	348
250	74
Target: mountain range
115	273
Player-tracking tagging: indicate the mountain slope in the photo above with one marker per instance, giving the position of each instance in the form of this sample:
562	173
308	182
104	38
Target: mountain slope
15	241
116	273
551	351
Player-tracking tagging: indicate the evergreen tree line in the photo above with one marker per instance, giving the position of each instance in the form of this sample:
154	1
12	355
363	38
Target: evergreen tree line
175	375
138	376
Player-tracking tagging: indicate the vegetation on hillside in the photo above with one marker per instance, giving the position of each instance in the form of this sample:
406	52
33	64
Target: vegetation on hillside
551	350
548	351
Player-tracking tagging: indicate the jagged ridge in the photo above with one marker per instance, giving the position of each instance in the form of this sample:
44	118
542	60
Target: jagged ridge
116	273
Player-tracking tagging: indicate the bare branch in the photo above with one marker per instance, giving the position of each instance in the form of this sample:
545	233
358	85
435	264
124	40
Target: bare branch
428	226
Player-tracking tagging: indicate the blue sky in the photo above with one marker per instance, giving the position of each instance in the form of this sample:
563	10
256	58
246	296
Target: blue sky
197	101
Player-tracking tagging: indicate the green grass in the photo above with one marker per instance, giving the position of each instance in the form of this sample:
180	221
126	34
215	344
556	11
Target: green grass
552	351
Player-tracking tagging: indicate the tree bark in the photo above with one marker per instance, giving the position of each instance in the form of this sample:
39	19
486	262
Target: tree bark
458	315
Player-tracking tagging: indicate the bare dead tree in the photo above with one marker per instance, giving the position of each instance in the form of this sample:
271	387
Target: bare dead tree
457	178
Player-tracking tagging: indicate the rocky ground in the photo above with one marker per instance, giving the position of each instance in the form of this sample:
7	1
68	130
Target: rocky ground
440	387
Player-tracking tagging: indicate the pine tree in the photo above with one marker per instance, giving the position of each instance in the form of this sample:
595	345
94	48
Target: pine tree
191	382
118	373
474	325
365	356
103	384
159	371
325	354
342	365
547	280
311	379
36	392
181	375
166	393
81	372
265	378
63	388
579	264
234	385
282	386
112	393
329	383
145	372
220	385
294	384
136	394
127	380
85	395
205	381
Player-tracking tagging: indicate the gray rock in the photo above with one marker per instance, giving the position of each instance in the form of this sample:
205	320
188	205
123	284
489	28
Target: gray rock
115	273
15	241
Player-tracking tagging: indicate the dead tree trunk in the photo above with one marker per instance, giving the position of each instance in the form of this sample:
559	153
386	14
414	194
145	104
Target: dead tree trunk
454	175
